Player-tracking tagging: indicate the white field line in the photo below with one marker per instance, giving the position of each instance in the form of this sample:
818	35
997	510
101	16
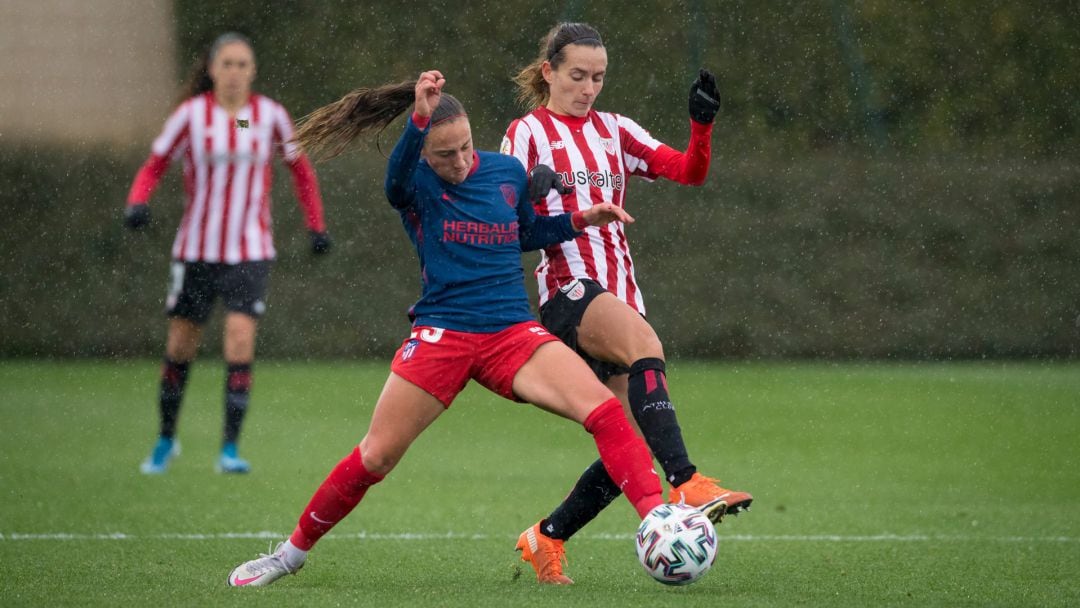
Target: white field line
425	536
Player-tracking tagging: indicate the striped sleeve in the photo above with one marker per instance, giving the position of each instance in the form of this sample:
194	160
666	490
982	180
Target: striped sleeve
175	136
519	143
647	157
284	133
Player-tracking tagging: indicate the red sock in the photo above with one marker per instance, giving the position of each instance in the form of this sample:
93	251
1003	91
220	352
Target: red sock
335	498
625	456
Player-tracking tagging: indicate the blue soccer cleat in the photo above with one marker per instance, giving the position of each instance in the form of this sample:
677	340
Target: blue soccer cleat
229	462
157	462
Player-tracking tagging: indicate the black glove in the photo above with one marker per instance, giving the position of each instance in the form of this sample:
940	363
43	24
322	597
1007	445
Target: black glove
704	97
542	179
320	242
137	216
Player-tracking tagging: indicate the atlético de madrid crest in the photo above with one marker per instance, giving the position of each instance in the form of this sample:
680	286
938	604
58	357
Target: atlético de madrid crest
509	194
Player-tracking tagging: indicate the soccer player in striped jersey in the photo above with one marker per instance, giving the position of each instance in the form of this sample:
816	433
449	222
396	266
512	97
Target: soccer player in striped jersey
468	215
226	136
588	294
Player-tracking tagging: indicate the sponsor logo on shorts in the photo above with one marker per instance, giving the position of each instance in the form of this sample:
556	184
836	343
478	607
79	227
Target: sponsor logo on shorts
574	291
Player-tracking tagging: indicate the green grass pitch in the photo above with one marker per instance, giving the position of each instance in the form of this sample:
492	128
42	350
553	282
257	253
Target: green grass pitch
876	484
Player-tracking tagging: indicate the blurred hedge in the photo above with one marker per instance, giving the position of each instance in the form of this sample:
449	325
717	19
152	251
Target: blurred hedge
890	180
827	256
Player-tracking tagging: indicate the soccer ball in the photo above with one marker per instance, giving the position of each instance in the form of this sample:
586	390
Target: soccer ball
676	544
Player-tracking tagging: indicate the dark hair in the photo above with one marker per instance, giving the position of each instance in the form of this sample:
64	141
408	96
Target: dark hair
532	88
329	130
199	80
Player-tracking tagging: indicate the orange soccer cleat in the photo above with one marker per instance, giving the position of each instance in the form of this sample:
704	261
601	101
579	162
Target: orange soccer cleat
546	555
715	502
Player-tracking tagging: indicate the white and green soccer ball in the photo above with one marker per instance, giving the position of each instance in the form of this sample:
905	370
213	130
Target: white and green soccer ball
676	544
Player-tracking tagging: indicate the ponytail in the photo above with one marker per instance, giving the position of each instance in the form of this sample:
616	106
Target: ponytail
328	131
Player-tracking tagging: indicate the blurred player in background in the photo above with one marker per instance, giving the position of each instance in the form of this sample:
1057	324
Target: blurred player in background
469	216
226	136
588	294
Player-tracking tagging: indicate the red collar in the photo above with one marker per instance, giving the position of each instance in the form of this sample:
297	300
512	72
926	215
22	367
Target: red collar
575	122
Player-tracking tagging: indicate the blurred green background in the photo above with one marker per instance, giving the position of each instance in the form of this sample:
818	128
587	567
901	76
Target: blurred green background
890	179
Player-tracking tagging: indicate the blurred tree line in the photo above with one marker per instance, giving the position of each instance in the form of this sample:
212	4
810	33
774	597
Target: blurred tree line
890	179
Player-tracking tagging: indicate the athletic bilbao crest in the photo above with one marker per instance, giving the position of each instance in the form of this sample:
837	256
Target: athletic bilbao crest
409	349
574	291
509	194
608	144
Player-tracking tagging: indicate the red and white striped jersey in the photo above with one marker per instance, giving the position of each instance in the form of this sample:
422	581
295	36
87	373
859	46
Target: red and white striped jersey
595	154
227	177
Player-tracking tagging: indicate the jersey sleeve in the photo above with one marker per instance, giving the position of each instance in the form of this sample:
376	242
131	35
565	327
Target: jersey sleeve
648	157
174	138
538	231
399	186
519	143
305	182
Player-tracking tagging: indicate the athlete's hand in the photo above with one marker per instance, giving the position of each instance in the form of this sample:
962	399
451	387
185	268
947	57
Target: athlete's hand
137	216
429	91
320	242
704	97
605	213
542	180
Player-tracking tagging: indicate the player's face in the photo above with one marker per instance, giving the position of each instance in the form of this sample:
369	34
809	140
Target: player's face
448	150
233	70
577	81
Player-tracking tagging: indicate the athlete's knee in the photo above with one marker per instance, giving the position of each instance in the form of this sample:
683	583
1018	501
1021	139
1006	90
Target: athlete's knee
376	458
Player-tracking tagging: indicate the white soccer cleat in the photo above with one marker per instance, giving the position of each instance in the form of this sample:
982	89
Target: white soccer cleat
262	571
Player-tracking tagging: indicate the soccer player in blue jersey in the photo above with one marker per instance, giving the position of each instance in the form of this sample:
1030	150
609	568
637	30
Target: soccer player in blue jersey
469	215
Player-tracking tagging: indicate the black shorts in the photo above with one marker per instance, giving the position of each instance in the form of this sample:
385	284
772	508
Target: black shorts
562	314
195	286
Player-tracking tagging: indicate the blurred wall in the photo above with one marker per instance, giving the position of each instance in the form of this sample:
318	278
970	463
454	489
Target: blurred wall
77	71
889	180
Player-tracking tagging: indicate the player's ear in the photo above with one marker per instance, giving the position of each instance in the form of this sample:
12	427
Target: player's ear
547	71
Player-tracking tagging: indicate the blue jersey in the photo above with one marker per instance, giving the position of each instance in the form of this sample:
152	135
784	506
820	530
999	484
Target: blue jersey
469	236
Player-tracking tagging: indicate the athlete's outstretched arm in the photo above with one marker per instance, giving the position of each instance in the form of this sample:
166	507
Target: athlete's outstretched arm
692	166
399	186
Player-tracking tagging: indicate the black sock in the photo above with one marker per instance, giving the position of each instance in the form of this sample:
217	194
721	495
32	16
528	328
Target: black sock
594	491
237	393
655	415
173	379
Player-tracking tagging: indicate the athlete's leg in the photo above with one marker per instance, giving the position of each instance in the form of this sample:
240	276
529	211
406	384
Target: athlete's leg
594	490
242	288
557	380
612	331
401	414
239	351
181	346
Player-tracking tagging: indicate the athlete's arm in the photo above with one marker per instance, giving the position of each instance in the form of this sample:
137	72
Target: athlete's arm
690	167
172	139
399	186
305	184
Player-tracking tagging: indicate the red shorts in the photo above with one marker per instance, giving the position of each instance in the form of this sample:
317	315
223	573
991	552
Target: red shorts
441	361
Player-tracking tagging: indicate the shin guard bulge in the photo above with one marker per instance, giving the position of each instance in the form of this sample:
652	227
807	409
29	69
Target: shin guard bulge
625	456
336	497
